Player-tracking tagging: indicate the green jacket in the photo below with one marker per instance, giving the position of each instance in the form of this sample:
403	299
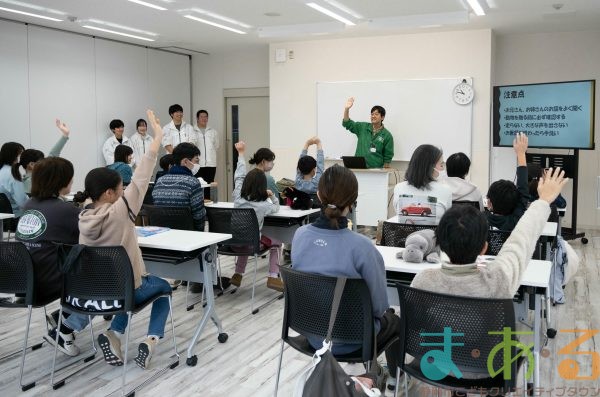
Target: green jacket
382	141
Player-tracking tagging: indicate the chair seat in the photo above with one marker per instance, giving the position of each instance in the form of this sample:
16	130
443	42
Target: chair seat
240	251
463	384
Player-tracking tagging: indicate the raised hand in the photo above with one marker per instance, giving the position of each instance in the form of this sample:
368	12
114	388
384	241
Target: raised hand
240	147
349	103
156	128
520	143
550	185
63	128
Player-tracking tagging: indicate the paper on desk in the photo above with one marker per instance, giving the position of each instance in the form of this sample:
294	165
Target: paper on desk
146	231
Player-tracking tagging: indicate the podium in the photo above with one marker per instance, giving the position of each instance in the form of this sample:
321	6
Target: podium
374	194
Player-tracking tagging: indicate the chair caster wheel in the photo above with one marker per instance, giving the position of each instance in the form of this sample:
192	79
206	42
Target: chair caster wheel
584	240
551	332
254	311
35	347
58	385
192	361
223	337
107	318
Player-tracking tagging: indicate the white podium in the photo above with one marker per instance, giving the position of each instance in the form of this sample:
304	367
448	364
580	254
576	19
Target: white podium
374	193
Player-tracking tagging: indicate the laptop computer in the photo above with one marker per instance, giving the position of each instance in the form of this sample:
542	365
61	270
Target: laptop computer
354	162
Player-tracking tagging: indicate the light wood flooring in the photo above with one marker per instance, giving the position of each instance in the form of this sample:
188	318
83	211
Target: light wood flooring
247	363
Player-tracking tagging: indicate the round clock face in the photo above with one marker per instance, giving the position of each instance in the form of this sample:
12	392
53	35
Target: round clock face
463	94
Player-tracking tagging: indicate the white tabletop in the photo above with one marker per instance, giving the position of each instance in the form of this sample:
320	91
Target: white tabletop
537	273
182	240
6	216
284	210
550	229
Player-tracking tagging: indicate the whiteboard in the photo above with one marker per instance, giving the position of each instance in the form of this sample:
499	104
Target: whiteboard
417	112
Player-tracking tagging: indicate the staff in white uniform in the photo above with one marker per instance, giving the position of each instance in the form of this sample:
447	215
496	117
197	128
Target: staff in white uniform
177	130
208	143
108	149
140	141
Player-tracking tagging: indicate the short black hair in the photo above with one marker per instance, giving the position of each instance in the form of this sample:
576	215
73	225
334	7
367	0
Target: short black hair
166	161
175	108
458	165
49	176
306	164
30	156
185	150
462	233
254	187
420	168
121	153
199	112
504	196
116	123
140	122
379	109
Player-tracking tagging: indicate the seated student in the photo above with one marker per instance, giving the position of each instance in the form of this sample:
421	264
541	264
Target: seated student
123	157
462	235
309	170
264	160
457	166
108	149
422	198
342	252
251	191
30	157
111	222
10	177
179	188
165	162
47	220
534	173
505	201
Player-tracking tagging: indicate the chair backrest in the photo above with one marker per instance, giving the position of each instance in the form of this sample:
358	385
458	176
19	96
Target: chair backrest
474	204
429	312
148	197
172	217
99	274
16	270
241	223
307	307
6	208
496	239
394	234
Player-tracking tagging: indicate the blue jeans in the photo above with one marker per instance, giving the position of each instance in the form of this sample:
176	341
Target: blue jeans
151	285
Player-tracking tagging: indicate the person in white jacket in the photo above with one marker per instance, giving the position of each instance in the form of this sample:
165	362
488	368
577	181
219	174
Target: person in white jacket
108	149
208	143
140	141
457	167
177	130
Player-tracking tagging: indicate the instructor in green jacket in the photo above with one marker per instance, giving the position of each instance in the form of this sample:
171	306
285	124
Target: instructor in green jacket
375	143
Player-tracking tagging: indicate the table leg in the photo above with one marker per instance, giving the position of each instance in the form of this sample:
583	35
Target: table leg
207	266
1	229
537	325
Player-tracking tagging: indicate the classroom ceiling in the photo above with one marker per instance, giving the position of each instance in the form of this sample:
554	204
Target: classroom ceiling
287	20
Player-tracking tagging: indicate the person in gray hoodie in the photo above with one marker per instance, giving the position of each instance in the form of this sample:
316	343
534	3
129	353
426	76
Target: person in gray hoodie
251	192
457	167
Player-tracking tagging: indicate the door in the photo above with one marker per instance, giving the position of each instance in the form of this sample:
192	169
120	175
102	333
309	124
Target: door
247	120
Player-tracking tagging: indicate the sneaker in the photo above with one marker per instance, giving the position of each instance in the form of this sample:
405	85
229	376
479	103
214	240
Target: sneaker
145	352
110	344
65	342
274	283
236	279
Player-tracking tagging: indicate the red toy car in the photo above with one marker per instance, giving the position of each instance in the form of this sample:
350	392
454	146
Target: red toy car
416	209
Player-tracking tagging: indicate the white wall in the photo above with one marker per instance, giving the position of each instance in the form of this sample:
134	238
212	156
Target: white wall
84	81
414	56
213	73
547	57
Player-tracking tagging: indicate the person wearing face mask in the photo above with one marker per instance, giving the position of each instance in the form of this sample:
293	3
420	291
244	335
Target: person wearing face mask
179	187
422	198
264	160
458	165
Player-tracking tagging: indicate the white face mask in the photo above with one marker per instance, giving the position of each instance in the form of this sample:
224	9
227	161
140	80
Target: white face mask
195	168
441	174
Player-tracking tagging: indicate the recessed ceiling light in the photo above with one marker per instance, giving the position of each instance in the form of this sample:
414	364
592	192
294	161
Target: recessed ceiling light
30	14
300	29
218	25
476	7
330	13
143	3
272	14
119	33
34	7
343	8
116	26
214	15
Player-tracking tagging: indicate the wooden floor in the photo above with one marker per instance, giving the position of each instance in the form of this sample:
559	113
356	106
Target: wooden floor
247	363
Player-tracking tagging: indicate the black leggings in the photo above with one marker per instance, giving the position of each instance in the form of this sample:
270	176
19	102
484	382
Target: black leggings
390	328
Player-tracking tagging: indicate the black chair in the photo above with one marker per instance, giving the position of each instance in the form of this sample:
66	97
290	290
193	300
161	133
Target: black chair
105	274
308	300
474	204
9	225
172	217
148	197
17	277
495	240
242	224
394	234
424	312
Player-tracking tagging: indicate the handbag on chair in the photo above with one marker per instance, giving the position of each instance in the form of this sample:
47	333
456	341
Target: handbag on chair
324	376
